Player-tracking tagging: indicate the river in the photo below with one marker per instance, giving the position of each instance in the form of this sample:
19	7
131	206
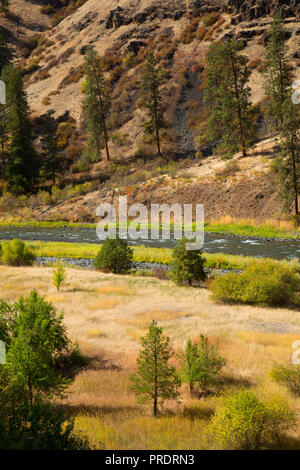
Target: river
214	243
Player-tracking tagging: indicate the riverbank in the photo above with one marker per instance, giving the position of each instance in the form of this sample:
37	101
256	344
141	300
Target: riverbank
141	254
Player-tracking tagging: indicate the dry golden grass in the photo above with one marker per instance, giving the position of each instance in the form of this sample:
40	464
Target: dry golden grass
285	225
102	304
115	290
252	339
94	333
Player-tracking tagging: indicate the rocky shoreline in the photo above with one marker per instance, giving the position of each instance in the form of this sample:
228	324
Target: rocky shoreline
86	263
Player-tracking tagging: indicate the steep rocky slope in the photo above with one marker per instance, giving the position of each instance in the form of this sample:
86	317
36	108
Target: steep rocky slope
122	30
128	25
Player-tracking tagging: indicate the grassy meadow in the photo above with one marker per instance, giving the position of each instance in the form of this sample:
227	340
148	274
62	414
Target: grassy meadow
107	314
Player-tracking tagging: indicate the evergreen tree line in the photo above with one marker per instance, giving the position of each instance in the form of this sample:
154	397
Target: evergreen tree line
21	165
230	124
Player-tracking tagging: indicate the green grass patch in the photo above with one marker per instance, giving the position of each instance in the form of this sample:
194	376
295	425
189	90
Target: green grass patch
239	229
259	231
143	254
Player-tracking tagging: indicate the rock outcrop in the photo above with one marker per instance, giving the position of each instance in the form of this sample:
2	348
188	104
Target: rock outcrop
251	9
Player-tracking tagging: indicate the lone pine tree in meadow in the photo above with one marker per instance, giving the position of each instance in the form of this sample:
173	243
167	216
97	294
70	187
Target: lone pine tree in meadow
155	380
96	102
201	365
151	99
189	365
227	97
21	168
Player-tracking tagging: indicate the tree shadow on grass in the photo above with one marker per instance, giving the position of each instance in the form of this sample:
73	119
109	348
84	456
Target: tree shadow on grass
95	410
69	364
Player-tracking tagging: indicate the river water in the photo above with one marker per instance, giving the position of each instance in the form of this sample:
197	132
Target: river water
214	243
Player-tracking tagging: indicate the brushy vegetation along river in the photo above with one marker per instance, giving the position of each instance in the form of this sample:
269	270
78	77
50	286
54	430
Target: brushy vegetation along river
214	243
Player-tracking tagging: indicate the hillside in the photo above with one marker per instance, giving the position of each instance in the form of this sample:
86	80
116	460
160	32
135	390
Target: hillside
180	31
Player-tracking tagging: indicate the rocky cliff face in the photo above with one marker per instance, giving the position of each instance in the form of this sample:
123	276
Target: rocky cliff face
252	9
180	32
121	27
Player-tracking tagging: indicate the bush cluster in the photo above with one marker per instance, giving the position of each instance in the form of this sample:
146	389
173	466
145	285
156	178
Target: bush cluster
268	284
15	253
287	376
243	421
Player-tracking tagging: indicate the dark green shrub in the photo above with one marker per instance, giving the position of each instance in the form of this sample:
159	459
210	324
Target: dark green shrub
243	421
268	284
40	427
187	266
15	253
287	376
115	256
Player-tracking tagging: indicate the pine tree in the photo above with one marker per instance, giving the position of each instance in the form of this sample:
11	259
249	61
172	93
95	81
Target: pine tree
22	163
3	137
284	115
37	338
189	364
5	59
287	163
5	53
50	166
201	364
276	76
151	99
155	380
227	98
97	101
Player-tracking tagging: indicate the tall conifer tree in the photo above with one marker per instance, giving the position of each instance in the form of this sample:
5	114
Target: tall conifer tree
151	99
227	97
155	380
50	164
276	75
96	102
22	162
